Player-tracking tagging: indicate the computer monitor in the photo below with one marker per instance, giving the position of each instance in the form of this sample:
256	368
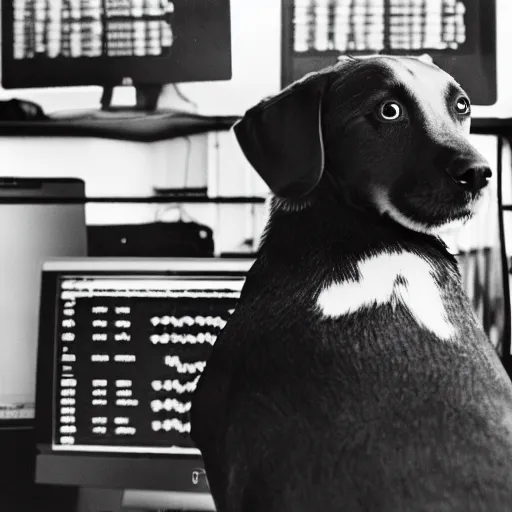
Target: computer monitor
146	43
122	344
459	35
39	218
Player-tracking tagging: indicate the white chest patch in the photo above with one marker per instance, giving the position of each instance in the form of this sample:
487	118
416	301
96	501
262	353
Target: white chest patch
401	278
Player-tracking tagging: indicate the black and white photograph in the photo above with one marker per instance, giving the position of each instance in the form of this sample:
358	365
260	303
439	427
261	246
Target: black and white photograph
255	255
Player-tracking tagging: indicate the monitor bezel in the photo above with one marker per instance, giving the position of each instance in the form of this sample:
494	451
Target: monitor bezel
192	59
101	469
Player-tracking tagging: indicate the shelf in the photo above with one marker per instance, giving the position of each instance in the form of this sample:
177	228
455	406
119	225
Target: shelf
491	126
113	124
135	200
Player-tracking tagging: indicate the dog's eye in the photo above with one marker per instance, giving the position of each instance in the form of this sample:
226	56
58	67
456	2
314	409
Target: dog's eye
462	106
390	111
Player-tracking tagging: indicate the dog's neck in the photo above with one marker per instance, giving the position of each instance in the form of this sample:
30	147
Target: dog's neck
331	225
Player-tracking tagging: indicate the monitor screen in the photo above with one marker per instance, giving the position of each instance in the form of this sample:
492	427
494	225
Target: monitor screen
39	219
459	35
110	42
122	345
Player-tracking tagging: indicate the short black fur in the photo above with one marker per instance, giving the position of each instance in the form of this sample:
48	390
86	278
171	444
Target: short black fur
370	411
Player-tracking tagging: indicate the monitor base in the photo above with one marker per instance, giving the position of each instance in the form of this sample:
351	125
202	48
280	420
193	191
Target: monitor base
167	500
146	102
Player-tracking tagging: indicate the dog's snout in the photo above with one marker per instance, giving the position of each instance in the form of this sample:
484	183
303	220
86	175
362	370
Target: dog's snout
470	175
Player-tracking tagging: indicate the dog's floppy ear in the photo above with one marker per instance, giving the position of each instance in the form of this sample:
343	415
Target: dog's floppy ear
282	138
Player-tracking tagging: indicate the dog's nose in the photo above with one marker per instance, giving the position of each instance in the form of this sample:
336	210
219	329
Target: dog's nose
472	176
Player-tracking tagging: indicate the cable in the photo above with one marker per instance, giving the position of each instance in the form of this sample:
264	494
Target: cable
504	262
183	97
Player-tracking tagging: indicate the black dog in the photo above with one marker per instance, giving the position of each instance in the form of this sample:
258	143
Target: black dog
353	375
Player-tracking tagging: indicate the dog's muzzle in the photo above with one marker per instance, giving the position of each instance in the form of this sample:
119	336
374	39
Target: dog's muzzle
472	175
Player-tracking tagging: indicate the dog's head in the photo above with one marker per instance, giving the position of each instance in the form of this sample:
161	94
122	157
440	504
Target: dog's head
391	133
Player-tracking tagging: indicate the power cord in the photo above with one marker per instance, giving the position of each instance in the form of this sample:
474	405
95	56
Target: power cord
183	97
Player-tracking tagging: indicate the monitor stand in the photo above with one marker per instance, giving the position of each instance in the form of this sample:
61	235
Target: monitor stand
167	500
196	498
147	96
146	101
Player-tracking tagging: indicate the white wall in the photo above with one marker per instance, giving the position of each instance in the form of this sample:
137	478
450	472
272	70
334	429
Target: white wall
111	167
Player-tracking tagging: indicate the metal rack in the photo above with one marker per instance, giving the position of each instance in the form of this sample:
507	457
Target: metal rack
502	129
162	199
